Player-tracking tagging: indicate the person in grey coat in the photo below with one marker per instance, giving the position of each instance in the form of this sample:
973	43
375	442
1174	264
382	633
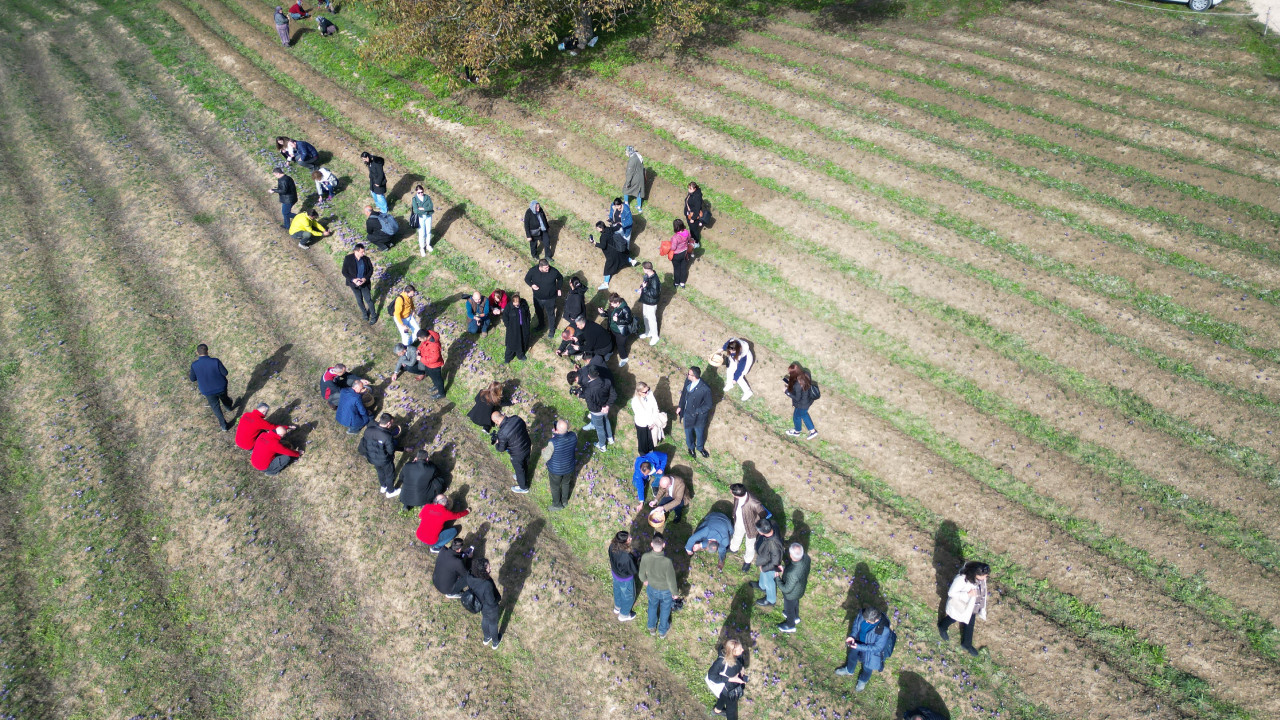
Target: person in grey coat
712	534
633	184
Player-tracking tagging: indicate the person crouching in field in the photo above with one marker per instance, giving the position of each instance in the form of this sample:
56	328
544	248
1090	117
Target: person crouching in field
306	228
326	182
269	454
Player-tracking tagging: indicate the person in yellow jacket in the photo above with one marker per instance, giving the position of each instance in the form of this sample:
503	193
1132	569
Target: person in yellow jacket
406	315
306	227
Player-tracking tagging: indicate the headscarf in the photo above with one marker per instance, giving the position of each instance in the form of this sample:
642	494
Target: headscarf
541	225
630	151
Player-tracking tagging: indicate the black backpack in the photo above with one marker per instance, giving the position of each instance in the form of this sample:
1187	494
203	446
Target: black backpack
470	601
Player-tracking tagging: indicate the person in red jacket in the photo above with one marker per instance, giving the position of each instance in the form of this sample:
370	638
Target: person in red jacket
252	424
431	353
432	530
269	454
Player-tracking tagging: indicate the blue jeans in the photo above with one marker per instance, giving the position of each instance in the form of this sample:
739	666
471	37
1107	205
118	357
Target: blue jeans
695	434
852	658
639	202
769	587
798	416
286	213
659	609
446	536
624	595
379	201
604	431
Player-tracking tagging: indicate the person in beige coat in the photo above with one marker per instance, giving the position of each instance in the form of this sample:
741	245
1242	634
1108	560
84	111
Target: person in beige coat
966	602
747	511
650	421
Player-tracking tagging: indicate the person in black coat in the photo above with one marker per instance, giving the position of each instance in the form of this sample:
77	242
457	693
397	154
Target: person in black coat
516	320
453	568
545	281
210	377
593	341
377	179
373	233
694	212
378	446
575	303
486	591
621	325
287	191
513	439
358	270
695	410
615	248
420	481
537	230
487	400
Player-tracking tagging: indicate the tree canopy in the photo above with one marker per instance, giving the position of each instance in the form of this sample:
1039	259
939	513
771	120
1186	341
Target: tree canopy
485	36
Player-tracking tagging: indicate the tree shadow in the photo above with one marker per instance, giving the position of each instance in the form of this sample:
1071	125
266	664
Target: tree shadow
737	624
262	372
864	592
515	570
948	556
382	288
446	219
843	16
916	692
478	539
403	187
755	482
799	530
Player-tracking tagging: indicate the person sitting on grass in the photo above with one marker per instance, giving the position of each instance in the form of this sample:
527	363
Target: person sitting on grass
252	424
297	12
407	362
305	228
375	228
269	454
325	26
333	381
352	414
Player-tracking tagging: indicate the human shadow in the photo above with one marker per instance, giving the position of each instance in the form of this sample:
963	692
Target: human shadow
915	692
382	288
756	483
948	556
800	530
457	498
296	437
515	570
737	623
666	401
295	35
403	187
864	592
421	432
444	460
478	539
554	228
446	219
458	349
437	308
544	424
262	372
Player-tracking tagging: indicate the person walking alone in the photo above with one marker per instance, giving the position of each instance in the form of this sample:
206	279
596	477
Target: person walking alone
695	212
650	293
562	459
536	230
695	410
481	583
405	315
633	181
747	511
282	25
658	574
421	210
210	377
377	179
803	391
358	270
966	603
623	567
795	580
738	362
726	681
870	642
681	253
287	192
515	317
378	446
545	281
512	438
649	420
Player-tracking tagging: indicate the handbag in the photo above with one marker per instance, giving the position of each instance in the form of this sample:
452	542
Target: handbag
665	250
414	222
733	691
677	604
470	601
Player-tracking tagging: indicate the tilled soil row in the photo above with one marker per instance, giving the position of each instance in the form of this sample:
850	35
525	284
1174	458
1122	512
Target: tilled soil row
819	493
1184	27
1234	195
379	593
904	455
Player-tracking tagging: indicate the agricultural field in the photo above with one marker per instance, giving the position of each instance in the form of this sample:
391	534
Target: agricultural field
1029	253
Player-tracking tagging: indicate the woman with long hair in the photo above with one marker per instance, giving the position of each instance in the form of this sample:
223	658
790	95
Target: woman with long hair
694	212
726	673
681	253
803	391
623	567
650	422
487	400
966	602
481	583
738	362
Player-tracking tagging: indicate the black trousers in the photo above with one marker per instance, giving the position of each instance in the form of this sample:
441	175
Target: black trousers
364	298
695	231
966	629
386	475
644	440
790	611
680	267
728	707
620	344
216	402
437	379
561	486
489	622
514	351
546	314
540	242
518	464
278	463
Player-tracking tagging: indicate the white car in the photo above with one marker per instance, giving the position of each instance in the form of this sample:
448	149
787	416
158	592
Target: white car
1200	5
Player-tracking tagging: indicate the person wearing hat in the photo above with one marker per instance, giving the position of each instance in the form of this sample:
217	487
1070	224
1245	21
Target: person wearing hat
633	184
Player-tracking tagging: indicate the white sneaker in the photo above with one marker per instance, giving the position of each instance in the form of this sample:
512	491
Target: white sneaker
588	426
383	491
641	337
653	340
611	440
603	287
747	396
623	363
793	433
519	490
394	493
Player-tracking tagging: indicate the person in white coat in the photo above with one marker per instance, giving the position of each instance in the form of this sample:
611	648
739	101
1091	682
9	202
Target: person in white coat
966	603
650	421
738	362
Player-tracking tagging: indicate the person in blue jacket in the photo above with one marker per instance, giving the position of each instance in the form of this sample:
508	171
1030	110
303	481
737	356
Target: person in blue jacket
870	642
712	534
648	470
352	414
478	316
303	153
210	376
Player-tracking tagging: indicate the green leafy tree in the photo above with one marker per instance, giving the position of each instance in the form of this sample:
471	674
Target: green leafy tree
484	36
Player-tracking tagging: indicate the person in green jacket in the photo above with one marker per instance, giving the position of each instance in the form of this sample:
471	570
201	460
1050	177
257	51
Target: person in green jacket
795	578
422	210
658	574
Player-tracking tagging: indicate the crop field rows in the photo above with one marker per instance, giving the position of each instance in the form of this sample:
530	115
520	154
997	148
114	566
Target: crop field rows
1031	260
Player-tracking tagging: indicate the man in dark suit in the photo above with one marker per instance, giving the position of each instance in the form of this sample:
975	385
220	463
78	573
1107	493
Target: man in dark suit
287	191
210	376
358	270
695	410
